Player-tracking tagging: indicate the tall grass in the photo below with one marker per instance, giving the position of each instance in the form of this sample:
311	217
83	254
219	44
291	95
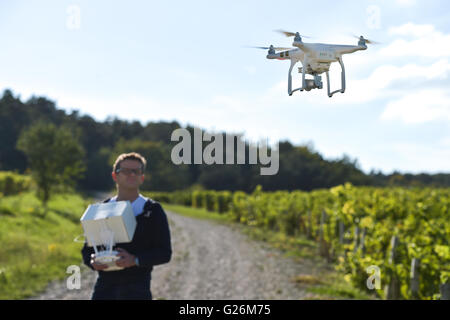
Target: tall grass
36	249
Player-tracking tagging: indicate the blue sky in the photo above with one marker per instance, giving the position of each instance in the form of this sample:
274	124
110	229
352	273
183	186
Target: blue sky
186	61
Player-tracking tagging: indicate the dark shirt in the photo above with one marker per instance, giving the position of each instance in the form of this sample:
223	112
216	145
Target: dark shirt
151	244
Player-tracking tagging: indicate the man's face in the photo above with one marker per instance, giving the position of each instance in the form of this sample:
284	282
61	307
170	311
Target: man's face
130	175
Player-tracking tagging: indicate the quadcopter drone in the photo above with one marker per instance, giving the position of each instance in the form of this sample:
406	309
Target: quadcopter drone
316	59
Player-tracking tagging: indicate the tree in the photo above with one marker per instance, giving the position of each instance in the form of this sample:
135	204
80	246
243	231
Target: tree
54	156
300	167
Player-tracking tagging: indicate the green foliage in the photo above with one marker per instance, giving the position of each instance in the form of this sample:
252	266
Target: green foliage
222	203
419	217
34	250
12	183
54	156
177	197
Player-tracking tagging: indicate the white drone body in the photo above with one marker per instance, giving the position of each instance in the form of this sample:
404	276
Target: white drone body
316	59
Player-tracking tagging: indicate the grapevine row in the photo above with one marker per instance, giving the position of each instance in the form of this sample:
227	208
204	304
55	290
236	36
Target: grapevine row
403	232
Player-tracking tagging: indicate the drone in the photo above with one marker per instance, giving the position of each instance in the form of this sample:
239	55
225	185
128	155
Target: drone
316	59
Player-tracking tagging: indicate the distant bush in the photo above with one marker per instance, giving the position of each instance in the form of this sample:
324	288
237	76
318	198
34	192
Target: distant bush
177	197
13	183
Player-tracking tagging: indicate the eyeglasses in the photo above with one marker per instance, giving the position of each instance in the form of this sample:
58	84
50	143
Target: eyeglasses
128	171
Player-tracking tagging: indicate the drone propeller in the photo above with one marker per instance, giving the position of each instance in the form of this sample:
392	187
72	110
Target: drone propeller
272	47
361	38
290	34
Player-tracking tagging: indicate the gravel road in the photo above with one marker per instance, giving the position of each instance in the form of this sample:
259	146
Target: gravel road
209	261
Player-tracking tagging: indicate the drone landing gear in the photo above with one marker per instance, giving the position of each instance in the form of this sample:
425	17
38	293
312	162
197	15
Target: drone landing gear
290	91
342	90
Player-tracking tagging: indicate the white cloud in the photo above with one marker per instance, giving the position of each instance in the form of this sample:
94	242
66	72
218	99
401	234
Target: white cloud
231	104
428	104
427	42
250	69
411	29
419	107
415	158
385	76
445	142
405	3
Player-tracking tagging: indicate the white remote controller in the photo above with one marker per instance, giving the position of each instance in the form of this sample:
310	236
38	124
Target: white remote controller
109	258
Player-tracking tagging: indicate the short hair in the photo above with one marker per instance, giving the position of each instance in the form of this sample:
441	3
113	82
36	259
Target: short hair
130	156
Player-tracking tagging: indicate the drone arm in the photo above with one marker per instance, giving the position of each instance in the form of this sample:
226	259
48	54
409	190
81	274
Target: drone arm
349	49
302	46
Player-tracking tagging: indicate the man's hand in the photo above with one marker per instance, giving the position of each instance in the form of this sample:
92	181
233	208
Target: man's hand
127	259
97	266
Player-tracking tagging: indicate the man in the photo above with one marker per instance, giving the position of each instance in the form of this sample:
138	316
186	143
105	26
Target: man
150	245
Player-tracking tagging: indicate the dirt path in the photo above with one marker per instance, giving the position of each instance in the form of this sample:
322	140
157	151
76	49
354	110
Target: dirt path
213	261
209	261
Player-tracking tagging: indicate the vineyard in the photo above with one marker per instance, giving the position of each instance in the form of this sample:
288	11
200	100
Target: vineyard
401	233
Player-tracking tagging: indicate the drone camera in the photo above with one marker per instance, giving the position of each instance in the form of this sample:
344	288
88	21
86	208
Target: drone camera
313	84
318	81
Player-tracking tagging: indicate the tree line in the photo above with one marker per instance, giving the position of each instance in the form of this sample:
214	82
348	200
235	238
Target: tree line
90	147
